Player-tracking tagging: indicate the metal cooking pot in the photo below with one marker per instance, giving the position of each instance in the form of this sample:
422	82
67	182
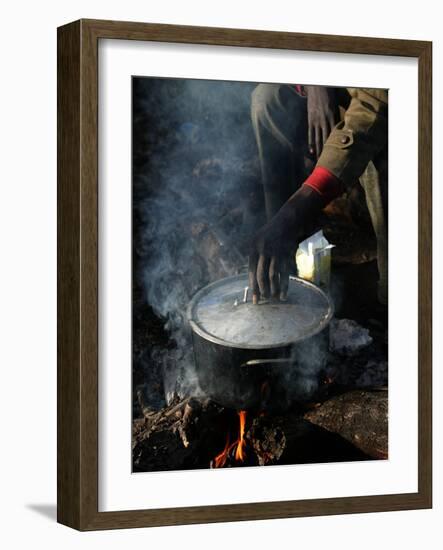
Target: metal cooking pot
258	356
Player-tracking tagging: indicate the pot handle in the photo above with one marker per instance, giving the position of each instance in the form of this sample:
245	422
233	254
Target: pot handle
256	362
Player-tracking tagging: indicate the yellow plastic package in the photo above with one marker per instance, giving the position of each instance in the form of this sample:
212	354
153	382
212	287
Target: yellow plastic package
313	259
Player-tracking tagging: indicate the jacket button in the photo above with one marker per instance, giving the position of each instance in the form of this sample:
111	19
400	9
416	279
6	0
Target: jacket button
345	140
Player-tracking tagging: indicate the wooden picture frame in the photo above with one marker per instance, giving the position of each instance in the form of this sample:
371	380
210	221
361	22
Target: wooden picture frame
78	274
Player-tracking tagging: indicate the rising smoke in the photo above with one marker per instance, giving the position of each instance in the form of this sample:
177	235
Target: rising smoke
197	201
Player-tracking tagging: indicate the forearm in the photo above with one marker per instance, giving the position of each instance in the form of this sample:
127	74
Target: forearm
325	184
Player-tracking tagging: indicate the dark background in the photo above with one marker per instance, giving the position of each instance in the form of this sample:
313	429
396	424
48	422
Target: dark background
197	199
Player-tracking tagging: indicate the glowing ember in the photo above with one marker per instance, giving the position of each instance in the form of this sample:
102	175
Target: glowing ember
239	445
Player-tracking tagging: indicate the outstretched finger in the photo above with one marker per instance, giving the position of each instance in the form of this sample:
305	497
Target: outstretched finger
263	276
311	139
318	141
274	277
253	284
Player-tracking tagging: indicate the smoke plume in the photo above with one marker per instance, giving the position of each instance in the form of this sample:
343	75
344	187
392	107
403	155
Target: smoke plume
197	201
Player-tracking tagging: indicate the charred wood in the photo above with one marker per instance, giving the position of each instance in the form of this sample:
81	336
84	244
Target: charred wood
190	433
360	417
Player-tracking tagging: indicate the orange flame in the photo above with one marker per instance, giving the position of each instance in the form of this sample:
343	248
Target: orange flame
239	452
220	459
240	444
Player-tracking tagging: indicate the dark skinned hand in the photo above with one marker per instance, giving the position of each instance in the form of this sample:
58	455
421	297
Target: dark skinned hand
274	246
323	115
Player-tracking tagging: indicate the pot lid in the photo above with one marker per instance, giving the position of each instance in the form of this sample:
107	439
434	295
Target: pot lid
218	313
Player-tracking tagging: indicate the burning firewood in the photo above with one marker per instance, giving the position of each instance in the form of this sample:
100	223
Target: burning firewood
267	439
181	436
234	452
197	433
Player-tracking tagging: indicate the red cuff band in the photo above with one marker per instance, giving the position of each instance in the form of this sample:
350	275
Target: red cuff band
300	90
325	183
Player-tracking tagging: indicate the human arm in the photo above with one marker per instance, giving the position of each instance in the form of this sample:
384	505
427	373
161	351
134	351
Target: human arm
350	146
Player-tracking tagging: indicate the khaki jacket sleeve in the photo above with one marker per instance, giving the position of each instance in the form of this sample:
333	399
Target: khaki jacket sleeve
359	136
